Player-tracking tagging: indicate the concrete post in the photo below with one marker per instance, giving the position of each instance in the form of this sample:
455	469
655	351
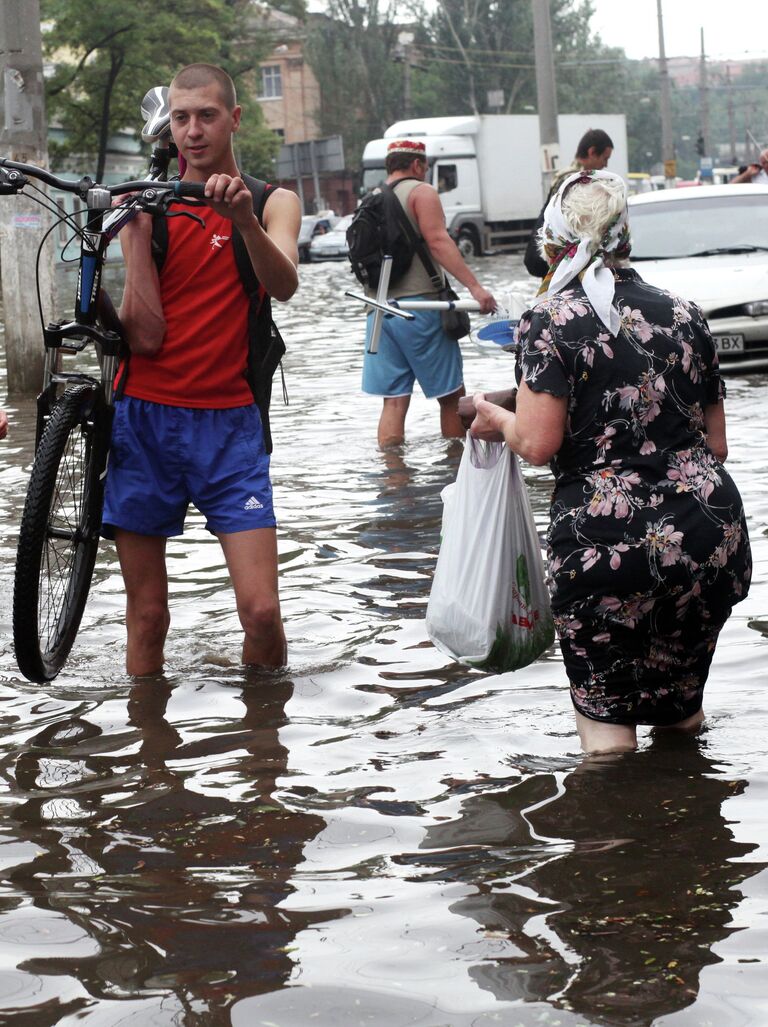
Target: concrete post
23	137
667	143
546	93
731	118
704	100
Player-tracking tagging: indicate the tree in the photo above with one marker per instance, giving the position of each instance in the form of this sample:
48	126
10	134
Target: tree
351	51
486	46
107	54
459	54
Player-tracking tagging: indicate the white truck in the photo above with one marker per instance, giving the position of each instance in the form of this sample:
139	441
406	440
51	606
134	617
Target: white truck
487	169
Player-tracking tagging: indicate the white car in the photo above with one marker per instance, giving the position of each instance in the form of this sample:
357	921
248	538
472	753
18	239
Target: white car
332	245
710	244
313	225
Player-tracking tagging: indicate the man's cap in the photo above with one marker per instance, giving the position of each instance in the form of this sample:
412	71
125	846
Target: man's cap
410	146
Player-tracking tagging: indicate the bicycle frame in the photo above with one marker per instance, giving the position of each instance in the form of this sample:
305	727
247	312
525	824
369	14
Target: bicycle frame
91	303
60	524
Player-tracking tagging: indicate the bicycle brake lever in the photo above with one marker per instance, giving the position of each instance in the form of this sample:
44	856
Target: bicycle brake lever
11	181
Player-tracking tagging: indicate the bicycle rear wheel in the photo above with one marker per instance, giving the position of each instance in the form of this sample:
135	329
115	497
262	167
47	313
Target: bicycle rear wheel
59	532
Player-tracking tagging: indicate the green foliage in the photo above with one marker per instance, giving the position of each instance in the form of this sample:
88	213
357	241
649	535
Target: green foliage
639	98
352	53
459	54
256	145
107	54
296	8
487	46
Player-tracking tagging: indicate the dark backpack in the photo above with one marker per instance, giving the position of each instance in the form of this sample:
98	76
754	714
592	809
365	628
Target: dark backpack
265	345
380	227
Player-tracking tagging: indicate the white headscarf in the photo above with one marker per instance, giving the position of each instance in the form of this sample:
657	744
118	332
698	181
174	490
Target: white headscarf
583	257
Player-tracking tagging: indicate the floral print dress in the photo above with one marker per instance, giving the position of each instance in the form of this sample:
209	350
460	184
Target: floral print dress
648	546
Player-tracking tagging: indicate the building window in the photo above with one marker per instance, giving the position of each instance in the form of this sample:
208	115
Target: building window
271	82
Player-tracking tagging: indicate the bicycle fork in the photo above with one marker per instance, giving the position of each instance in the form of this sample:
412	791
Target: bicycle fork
73	336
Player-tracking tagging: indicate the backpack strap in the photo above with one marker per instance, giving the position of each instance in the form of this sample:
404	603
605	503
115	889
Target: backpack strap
260	192
416	239
265	344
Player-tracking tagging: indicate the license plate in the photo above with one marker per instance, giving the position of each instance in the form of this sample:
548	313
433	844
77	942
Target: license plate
729	343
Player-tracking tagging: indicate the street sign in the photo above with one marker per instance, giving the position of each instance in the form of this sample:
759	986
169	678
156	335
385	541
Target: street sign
312	157
550	157
670	168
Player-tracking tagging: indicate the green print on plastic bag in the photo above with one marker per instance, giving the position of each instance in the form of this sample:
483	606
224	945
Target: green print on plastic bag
523	578
509	651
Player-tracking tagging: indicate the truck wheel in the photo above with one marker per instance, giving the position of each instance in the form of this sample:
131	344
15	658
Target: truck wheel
468	243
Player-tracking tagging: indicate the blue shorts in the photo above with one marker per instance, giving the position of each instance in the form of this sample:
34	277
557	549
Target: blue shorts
409	351
163	458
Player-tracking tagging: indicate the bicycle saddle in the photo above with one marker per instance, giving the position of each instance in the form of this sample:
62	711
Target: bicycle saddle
156	114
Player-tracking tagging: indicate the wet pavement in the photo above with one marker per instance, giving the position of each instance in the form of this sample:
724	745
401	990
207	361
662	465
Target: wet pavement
376	837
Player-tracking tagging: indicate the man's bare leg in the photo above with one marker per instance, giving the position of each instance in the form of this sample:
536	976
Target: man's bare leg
252	561
392	420
450	422
599	737
142	561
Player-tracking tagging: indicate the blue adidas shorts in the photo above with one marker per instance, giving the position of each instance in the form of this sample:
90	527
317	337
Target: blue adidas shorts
409	351
163	458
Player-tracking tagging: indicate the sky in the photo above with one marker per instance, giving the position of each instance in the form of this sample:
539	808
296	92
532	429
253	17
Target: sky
734	29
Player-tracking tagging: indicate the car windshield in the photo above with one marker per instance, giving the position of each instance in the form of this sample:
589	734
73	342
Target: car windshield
308	223
705	225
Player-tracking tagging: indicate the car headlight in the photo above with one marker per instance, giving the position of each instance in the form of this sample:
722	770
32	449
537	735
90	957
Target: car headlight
759	308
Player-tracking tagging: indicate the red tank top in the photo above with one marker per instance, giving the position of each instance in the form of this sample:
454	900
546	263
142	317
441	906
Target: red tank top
204	354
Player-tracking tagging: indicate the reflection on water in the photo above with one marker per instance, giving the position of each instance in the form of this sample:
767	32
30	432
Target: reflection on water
379	837
608	886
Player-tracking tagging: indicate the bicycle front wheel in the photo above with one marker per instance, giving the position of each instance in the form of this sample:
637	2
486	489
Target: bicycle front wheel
59	532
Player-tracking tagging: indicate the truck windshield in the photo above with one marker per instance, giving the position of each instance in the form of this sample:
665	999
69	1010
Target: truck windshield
373	177
705	225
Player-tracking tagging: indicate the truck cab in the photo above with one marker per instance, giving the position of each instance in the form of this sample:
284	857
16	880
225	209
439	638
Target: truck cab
453	171
487	169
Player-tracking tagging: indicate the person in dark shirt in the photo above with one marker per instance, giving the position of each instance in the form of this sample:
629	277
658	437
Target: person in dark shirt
621	393
592	154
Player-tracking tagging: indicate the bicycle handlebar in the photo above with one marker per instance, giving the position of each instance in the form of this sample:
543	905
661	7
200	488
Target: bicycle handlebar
14	173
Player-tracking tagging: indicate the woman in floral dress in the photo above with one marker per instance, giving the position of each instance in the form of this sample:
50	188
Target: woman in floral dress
648	546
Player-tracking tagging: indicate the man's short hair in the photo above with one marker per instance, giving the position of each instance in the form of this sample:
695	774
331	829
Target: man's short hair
594	137
401	161
196	75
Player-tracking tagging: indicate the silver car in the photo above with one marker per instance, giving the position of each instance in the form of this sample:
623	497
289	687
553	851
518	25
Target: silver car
313	225
710	244
332	245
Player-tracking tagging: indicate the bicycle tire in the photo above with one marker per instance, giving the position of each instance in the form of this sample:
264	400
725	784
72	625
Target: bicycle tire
59	532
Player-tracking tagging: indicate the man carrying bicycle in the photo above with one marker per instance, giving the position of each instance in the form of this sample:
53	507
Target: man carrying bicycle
186	426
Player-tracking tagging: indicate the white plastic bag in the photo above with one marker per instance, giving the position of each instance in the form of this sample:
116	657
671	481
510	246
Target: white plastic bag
489	606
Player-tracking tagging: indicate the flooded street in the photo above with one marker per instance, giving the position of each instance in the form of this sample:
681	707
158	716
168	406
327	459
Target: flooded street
377	837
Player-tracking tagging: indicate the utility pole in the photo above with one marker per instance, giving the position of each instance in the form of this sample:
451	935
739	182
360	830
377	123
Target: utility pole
667	145
546	93
407	81
731	119
404	53
23	137
704	100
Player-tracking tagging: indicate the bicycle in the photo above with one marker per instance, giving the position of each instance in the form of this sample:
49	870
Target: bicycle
61	521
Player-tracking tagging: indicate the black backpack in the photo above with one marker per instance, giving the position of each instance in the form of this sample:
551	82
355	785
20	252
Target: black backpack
380	227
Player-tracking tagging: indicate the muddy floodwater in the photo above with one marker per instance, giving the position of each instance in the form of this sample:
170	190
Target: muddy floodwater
377	837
